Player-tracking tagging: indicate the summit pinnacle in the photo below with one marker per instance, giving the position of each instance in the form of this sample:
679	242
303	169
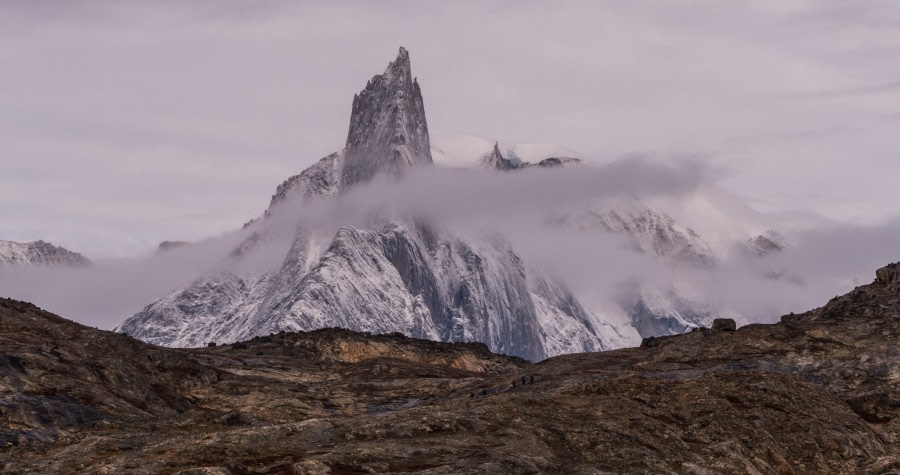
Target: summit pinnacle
388	132
495	160
393	273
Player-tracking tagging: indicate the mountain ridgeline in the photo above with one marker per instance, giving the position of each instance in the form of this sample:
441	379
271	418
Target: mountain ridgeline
39	253
395	274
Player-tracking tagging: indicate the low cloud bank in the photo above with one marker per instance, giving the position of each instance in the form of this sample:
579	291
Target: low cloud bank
817	265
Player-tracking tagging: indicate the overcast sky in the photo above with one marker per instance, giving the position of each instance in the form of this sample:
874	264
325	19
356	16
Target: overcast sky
123	124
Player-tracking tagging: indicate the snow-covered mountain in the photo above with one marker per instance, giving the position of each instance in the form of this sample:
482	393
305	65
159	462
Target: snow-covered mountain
392	274
38	253
397	273
468	151
666	229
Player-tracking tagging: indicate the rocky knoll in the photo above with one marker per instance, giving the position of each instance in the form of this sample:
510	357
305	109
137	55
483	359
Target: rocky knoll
817	393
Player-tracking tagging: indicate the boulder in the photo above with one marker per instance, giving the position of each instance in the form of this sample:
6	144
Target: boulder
724	325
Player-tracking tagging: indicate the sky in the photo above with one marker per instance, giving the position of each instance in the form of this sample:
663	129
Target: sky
125	124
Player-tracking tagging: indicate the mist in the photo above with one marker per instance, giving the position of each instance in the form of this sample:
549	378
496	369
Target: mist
110	290
480	204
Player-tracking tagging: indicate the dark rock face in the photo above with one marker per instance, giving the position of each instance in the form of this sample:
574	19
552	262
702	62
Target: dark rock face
552	162
724	325
170	245
388	131
495	160
889	274
771	242
57	376
817	393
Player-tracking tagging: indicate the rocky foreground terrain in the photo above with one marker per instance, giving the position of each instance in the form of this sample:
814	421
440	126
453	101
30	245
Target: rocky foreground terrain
817	393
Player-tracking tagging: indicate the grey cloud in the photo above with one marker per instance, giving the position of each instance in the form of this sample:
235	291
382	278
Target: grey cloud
475	202
822	261
217	102
465	196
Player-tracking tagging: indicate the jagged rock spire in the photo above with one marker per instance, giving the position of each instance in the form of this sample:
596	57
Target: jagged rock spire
494	159
388	131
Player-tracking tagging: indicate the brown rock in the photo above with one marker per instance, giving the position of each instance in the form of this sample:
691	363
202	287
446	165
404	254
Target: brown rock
889	274
816	394
724	325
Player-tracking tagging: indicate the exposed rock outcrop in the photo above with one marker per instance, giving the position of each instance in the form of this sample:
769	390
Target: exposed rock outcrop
889	274
724	325
166	246
765	244
551	162
496	161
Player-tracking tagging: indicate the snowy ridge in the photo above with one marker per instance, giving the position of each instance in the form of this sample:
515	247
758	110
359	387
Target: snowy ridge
470	151
38	253
648	230
496	161
318	181
400	277
694	231
722	218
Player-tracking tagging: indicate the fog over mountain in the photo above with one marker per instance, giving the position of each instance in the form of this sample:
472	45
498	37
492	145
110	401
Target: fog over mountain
147	138
827	260
515	240
621	238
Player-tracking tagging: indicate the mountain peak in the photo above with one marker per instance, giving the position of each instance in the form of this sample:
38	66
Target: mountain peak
39	253
401	63
495	160
388	132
